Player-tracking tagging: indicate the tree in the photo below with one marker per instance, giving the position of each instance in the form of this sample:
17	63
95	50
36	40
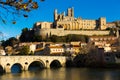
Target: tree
87	56
24	37
29	36
37	38
112	31
69	38
10	42
9	50
13	41
24	50
80	60
74	37
16	7
53	38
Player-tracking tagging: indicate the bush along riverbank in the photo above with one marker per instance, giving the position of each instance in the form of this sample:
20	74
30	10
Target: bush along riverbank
83	61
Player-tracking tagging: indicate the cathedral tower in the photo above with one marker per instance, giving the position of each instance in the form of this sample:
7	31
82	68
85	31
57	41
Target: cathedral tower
55	15
70	12
102	23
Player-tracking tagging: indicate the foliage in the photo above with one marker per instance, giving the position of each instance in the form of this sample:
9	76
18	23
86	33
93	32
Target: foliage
80	60
29	36
10	42
24	50
69	63
118	41
24	35
87	56
9	50
31	53
108	28
73	37
68	38
83	50
16	7
53	38
37	38
117	24
112	31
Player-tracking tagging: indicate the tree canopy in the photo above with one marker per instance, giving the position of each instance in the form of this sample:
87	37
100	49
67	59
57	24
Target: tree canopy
10	42
68	38
29	36
24	50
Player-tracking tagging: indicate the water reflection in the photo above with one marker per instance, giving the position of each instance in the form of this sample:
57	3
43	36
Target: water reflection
35	66
65	74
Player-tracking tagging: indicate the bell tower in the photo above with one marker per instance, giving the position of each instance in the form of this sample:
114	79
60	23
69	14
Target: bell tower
70	12
102	23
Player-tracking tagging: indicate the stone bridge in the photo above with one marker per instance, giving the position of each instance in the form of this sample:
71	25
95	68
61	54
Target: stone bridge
24	62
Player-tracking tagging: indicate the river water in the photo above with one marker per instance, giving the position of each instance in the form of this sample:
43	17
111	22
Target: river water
65	74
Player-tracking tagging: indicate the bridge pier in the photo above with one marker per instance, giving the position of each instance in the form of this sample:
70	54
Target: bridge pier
25	68
63	65
7	69
47	64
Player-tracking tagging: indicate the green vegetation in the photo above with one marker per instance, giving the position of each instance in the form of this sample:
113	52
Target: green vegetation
87	56
24	50
28	36
67	38
10	42
112	31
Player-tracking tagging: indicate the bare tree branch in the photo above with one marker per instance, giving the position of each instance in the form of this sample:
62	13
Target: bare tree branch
16	7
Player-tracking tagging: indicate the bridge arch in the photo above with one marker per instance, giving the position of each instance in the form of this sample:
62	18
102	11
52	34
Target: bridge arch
36	65
16	67
24	62
55	64
1	69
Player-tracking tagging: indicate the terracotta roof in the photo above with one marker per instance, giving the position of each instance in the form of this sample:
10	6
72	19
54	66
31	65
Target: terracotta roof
55	47
76	45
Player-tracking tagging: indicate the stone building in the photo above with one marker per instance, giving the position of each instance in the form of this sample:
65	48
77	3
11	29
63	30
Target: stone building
111	25
68	24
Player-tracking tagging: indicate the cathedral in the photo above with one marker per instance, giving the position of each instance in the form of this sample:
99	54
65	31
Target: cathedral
65	24
68	22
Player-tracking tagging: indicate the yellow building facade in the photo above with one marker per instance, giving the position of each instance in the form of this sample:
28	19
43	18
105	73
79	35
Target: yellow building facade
68	22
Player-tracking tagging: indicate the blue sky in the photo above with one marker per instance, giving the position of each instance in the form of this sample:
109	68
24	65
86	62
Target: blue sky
87	9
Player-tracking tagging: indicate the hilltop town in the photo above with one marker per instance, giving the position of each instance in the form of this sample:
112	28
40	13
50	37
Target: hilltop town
68	36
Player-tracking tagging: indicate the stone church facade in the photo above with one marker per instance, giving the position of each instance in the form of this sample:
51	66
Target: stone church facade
68	24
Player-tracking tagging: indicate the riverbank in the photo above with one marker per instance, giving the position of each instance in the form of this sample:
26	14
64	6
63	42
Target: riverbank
79	64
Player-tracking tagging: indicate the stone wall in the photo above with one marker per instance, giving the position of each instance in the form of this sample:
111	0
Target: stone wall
61	32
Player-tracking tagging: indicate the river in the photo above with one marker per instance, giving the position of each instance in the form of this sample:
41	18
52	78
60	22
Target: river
65	74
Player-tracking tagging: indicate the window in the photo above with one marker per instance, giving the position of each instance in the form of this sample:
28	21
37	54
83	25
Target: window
8	64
